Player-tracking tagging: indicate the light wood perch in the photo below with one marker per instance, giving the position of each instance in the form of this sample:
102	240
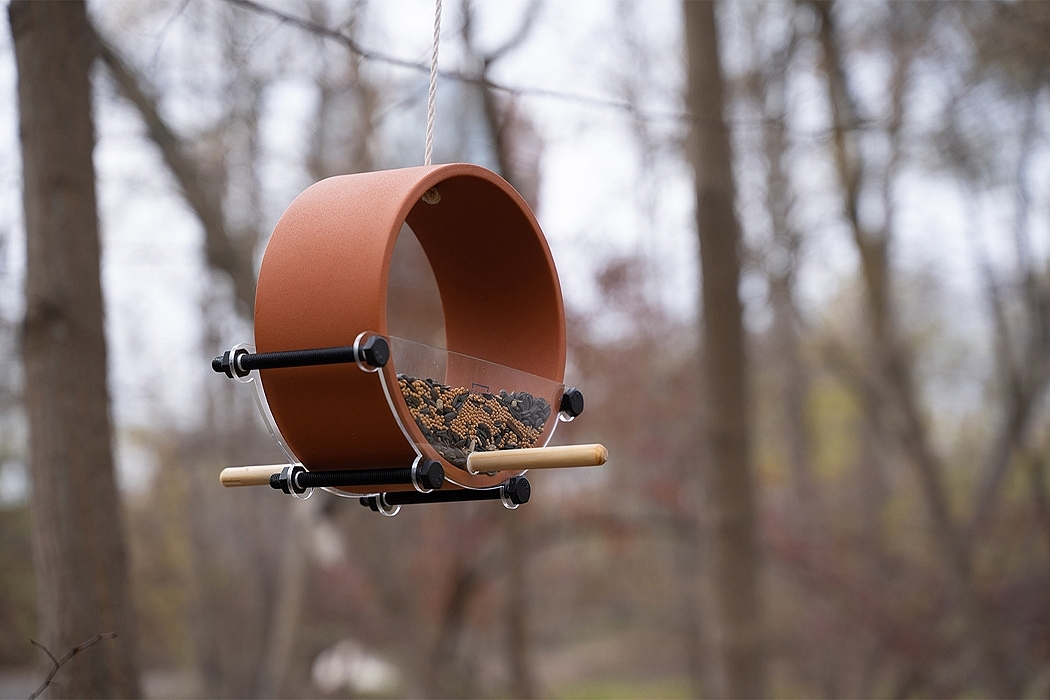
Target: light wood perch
249	476
561	457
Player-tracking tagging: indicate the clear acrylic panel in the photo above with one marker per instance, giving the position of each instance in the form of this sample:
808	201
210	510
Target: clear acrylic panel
462	404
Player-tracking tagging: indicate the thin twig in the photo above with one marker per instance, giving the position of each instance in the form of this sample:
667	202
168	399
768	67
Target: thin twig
564	96
58	663
40	646
381	57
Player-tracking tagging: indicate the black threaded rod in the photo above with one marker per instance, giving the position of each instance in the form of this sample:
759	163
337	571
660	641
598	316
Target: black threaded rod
365	477
374	351
429	476
517	489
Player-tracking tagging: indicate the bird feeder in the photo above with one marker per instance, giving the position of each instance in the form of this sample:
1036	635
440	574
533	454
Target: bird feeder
385	418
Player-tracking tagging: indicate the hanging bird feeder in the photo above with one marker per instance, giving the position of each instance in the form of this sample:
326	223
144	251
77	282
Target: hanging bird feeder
390	420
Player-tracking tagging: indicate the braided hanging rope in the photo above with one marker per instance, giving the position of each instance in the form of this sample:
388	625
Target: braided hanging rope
429	148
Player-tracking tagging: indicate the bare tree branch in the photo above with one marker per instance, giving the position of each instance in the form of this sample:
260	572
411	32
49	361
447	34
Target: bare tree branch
770	95
59	663
341	141
222	251
588	100
1026	377
518	37
497	116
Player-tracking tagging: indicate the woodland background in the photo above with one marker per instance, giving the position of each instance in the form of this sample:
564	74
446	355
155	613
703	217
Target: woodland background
804	248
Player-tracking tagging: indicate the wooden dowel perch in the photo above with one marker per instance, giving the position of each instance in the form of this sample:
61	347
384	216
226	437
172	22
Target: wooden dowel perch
561	457
249	476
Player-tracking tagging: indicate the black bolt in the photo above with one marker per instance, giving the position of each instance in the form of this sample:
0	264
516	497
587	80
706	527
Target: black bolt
286	480
226	363
518	490
572	402
375	351
431	474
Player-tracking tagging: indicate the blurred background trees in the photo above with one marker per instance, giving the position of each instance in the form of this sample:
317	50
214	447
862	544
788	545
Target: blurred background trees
884	397
79	551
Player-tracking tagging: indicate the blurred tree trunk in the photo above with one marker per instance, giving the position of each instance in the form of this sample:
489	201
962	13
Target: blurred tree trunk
894	388
782	269
523	677
693	586
1040	494
516	537
343	138
78	540
730	487
449	675
285	618
794	388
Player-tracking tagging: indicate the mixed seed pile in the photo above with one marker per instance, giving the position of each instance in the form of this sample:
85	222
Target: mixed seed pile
457	421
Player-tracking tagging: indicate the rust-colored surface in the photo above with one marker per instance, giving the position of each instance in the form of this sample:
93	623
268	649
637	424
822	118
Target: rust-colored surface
323	281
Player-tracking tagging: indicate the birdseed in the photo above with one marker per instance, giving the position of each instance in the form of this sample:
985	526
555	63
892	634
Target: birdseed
457	421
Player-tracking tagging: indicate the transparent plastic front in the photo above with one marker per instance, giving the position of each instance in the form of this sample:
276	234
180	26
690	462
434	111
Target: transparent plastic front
463	404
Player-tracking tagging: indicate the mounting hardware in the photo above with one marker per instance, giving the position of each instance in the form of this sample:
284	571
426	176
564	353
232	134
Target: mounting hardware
513	493
228	364
288	480
426	475
379	504
374	352
571	402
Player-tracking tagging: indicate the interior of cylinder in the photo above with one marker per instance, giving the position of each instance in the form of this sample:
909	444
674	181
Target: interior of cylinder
493	408
501	303
413	300
498	286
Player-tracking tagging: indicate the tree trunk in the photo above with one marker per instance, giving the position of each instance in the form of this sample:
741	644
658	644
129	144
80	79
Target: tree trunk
523	681
693	587
450	677
286	617
792	371
78	541
730	487
892	364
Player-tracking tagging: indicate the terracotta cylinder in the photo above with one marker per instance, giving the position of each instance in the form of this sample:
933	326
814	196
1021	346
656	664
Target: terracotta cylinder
323	281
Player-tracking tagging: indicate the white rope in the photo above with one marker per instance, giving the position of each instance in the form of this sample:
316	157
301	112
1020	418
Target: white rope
429	148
